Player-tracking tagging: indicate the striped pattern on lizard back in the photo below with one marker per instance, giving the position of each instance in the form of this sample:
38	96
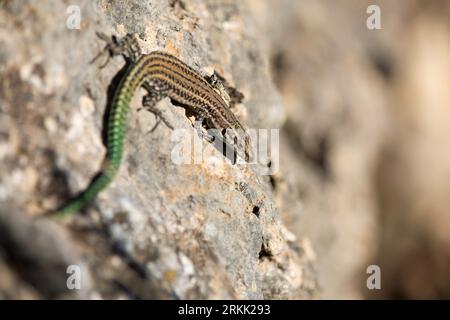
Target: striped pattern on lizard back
186	86
163	73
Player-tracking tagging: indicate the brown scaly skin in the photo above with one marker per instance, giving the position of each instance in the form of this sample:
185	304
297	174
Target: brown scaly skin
162	75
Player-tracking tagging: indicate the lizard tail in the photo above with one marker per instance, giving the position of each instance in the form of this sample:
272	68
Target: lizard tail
76	204
114	146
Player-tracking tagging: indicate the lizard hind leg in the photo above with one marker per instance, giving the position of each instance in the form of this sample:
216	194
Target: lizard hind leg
155	93
127	46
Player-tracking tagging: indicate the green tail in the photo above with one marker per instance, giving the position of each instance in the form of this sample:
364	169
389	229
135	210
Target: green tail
76	204
114	145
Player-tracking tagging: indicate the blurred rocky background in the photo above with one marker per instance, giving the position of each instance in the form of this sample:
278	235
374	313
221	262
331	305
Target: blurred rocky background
364	173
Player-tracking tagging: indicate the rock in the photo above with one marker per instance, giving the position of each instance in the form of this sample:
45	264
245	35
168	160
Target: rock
172	231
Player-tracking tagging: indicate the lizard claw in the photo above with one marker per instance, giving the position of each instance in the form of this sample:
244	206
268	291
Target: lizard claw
106	49
126	46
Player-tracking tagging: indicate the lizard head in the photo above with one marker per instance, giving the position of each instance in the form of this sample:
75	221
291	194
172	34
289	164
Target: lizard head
240	141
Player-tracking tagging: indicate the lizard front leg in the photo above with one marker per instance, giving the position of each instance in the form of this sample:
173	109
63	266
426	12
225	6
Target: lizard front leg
230	94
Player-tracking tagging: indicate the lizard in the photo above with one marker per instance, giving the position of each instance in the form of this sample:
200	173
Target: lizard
161	75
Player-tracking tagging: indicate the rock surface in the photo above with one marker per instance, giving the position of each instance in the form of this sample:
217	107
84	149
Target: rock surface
363	163
161	230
